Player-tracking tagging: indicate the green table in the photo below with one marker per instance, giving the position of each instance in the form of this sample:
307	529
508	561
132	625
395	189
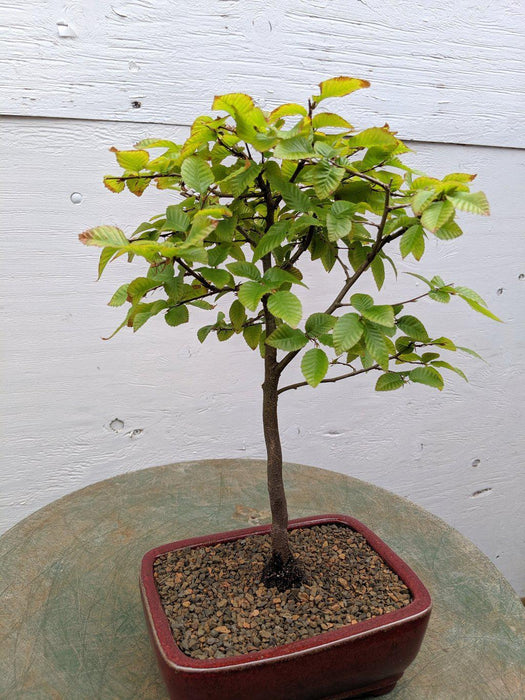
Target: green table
72	625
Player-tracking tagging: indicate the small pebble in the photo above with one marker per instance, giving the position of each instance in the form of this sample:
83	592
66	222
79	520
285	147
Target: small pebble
217	606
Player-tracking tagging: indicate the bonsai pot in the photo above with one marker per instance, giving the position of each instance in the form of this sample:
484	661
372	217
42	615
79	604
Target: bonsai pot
366	658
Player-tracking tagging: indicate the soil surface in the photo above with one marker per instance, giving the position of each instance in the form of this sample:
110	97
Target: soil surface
217	606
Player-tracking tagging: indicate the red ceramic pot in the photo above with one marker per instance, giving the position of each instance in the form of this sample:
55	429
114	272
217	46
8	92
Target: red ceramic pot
366	658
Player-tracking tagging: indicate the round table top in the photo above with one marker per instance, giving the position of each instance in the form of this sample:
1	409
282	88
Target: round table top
72	626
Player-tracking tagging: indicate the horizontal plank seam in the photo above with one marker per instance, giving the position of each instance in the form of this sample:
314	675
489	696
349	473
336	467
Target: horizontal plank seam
187	126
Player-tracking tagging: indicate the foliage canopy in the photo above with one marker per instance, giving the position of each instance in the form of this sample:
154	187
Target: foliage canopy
258	191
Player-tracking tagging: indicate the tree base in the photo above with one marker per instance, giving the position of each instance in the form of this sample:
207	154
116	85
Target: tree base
283	575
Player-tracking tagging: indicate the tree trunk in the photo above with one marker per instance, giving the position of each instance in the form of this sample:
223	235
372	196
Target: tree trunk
278	506
282	569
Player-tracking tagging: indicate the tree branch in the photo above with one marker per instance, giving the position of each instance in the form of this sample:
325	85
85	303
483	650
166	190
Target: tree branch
332	380
303	247
351	280
198	277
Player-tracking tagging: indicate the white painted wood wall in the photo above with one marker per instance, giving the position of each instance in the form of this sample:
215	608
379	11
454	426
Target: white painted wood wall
79	77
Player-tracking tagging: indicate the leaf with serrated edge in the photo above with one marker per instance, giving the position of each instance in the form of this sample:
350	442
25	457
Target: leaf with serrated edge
250	294
314	366
347	331
319	323
286	306
428	376
340	86
389	382
286	338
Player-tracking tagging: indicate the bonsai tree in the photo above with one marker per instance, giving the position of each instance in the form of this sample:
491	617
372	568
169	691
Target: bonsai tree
258	193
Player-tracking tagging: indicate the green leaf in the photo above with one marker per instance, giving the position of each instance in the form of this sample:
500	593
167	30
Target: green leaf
114	184
466	293
376	345
472	202
105	256
177	316
482	310
339	220
139	286
102	236
429	356
437	215
378	271
242	268
319	323
459	177
471	352
219	278
382	315
376	136
203	333
233	103
442	297
196	174
143	312
295	198
120	296
444	343
286	306
446	365
361	302
412	327
329	119
389	382
338	87
296	148
448	232
224	333
252	336
287	110
420	277
326	178
286	338
131	160
201	227
421	200
242	178
137	185
314	366
348	329
250	294
176	218
273	238
413	241
237	315
428	376
275	277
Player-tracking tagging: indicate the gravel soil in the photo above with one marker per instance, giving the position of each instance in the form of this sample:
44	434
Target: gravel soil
217	606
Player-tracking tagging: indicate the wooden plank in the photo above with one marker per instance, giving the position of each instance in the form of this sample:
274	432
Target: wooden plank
449	71
177	399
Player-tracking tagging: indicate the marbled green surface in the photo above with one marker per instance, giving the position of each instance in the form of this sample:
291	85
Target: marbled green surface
72	625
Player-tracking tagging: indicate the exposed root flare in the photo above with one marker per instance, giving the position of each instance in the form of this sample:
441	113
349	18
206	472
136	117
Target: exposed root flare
283	575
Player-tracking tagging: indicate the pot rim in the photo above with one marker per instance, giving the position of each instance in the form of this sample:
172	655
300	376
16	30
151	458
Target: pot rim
420	606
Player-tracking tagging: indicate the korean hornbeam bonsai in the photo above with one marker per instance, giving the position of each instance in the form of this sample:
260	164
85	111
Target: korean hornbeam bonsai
259	192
